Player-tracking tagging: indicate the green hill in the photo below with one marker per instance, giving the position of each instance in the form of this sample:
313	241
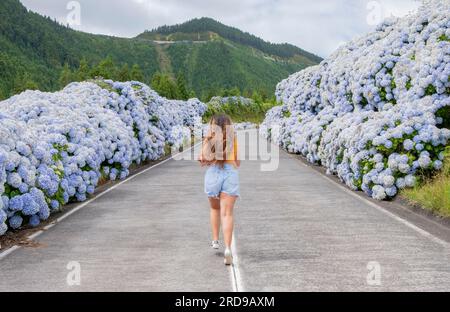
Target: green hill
33	47
211	56
207	29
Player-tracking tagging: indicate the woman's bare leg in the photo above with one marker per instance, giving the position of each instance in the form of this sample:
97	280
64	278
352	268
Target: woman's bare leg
215	217
226	209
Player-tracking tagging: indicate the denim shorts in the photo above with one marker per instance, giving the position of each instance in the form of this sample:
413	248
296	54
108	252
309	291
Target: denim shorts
222	180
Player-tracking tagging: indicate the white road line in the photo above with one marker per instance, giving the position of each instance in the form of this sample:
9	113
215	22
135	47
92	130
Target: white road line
8	251
82	205
235	274
33	236
381	209
48	227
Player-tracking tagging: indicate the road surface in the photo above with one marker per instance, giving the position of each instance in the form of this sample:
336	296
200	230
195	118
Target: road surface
295	231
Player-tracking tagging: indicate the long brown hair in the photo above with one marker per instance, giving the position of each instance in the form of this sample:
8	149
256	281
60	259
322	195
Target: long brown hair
219	140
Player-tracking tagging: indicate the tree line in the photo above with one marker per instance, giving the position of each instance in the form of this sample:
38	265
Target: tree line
167	86
171	88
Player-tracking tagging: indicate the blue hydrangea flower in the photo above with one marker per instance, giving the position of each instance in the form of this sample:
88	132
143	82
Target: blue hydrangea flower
16	203
5	201
15	222
34	221
391	191
437	165
30	207
54	204
408	144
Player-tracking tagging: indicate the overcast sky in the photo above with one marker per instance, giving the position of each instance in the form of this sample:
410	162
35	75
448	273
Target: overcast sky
319	26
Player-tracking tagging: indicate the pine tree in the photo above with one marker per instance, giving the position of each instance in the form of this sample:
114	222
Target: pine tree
224	92
107	69
84	71
24	82
257	98
136	73
66	76
30	84
192	94
165	87
235	92
182	91
124	73
156	81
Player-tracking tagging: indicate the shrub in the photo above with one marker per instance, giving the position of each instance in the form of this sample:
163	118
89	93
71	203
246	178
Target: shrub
56	147
376	112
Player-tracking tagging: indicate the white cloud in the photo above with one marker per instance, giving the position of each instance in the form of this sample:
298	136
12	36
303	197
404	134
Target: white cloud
318	26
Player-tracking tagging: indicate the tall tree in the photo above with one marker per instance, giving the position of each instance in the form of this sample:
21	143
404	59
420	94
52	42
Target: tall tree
84	70
183	93
235	92
162	84
107	68
124	73
136	73
24	82
66	76
156	80
192	94
257	98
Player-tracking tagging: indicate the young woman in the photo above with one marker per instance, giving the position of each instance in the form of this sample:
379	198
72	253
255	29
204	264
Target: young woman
220	155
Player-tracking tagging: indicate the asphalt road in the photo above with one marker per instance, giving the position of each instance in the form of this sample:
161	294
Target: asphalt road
295	231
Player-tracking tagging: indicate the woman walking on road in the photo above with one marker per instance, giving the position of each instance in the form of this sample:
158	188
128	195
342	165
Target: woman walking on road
220	155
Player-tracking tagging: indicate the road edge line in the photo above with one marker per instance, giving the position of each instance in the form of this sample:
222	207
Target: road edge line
236	278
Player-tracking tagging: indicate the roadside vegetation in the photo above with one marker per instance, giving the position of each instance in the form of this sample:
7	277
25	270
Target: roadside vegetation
433	193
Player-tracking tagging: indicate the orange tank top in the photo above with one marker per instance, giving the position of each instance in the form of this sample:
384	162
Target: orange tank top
233	154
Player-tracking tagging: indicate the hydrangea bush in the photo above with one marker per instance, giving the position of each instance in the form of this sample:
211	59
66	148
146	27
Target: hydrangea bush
56	147
377	111
245	126
218	101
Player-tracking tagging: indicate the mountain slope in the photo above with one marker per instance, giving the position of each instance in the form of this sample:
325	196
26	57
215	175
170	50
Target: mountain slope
214	56
33	44
217	65
35	48
206	29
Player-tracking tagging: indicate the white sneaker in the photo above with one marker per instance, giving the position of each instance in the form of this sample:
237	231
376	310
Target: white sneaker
215	244
228	257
